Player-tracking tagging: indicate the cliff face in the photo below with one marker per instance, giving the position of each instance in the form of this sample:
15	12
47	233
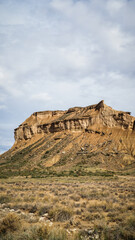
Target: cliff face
31	126
74	119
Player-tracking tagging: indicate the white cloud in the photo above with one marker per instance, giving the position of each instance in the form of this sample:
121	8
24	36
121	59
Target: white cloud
2	97
114	5
8	84
40	97
3	107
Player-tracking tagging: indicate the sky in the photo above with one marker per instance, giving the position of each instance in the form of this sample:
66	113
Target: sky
57	54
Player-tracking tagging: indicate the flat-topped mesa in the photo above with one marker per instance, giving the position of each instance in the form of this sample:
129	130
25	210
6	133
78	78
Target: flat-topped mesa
74	119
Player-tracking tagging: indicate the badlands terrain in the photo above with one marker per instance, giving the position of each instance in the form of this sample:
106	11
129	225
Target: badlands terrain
70	175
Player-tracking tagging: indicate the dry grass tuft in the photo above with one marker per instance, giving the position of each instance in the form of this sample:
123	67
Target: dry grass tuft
10	223
60	213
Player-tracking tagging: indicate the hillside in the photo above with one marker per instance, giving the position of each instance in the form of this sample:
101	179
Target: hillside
90	140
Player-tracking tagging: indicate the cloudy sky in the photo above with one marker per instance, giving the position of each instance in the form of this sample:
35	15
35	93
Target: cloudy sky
56	54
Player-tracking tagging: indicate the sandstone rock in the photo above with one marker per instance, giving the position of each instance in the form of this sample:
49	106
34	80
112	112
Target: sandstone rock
75	119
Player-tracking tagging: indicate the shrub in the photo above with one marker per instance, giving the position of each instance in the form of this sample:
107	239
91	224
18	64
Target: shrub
131	223
33	209
44	209
60	214
10	223
39	232
58	234
75	197
4	199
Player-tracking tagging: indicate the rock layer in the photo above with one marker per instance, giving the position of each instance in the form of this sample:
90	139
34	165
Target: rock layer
74	119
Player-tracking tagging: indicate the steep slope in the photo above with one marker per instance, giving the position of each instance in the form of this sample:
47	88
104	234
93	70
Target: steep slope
81	140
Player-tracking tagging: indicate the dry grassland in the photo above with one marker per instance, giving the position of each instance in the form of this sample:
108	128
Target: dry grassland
67	208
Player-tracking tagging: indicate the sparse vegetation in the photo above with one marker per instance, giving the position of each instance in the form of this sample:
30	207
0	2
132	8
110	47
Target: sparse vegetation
73	208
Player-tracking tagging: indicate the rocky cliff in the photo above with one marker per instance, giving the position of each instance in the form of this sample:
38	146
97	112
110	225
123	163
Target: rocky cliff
74	119
81	139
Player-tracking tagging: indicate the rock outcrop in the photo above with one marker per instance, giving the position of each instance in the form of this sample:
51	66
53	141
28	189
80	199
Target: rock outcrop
74	119
79	139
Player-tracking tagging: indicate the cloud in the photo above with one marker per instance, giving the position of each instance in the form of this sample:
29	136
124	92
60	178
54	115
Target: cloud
40	97
57	54
115	6
3	106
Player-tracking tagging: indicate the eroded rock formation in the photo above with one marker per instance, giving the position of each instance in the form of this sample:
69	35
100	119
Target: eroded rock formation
79	139
74	119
